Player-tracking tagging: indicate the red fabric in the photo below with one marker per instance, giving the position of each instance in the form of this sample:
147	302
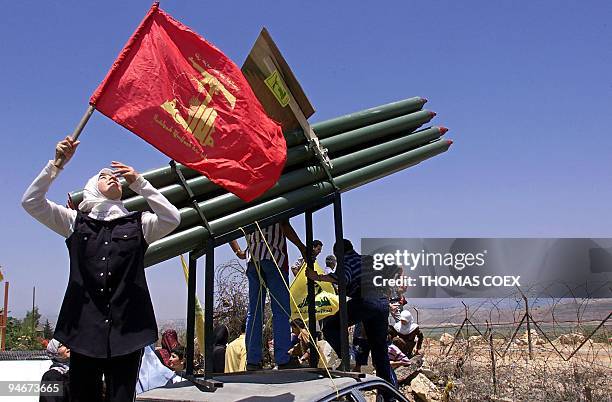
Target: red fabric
186	98
164	356
169	341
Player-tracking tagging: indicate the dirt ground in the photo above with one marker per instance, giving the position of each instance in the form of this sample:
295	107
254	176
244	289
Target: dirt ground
468	371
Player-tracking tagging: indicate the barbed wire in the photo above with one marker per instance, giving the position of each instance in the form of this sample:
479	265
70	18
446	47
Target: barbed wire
567	355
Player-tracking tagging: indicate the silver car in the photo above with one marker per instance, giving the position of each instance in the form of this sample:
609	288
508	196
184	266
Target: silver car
280	386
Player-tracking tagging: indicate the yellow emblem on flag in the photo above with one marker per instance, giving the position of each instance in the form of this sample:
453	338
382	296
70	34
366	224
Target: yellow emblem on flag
326	299
201	117
199	312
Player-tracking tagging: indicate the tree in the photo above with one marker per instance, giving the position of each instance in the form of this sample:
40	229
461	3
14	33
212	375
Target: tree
22	334
47	330
31	321
13	326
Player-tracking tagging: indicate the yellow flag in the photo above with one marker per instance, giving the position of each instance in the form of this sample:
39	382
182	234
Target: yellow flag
199	312
326	299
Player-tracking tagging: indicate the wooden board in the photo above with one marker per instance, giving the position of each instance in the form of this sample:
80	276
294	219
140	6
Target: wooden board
280	85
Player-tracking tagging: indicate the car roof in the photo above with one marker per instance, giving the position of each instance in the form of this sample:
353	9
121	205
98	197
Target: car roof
284	385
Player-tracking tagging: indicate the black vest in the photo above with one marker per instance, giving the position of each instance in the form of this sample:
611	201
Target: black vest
107	309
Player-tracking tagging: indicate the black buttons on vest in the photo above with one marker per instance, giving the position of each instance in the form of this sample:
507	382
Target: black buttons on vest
107	285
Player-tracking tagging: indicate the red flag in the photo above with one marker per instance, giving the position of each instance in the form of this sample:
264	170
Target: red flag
182	95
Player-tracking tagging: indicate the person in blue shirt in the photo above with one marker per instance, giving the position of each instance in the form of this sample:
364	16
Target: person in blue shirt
368	304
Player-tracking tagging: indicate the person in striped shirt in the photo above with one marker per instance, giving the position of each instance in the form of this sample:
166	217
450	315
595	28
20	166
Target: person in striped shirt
268	267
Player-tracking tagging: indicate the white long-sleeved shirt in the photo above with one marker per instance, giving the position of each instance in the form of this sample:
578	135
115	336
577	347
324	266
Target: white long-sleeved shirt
163	220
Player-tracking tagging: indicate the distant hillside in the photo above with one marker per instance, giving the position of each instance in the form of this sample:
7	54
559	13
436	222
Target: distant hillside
569	310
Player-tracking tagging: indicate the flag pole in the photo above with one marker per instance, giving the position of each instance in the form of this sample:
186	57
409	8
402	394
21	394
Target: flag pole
79	128
83	122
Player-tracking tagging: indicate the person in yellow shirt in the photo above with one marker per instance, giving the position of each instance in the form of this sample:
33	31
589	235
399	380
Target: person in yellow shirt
235	354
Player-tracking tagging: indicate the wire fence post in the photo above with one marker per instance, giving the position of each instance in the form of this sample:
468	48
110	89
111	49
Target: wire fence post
527	317
492	349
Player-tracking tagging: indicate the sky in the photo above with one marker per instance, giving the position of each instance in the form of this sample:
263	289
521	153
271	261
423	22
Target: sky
525	89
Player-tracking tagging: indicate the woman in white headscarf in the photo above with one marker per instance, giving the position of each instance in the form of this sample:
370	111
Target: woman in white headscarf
57	373
406	334
106	318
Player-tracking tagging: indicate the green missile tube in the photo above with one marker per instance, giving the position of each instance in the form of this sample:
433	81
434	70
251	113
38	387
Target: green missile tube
163	176
227	203
359	119
193	238
299	155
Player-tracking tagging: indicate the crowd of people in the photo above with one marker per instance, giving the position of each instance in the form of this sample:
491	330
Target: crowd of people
106	330
383	326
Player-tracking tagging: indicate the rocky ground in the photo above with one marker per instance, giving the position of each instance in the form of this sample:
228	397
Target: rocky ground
466	373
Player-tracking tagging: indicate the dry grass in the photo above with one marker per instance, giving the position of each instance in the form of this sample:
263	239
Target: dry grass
587	376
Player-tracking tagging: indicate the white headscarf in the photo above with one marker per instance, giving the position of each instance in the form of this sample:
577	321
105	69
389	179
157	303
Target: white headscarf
406	323
59	364
99	206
